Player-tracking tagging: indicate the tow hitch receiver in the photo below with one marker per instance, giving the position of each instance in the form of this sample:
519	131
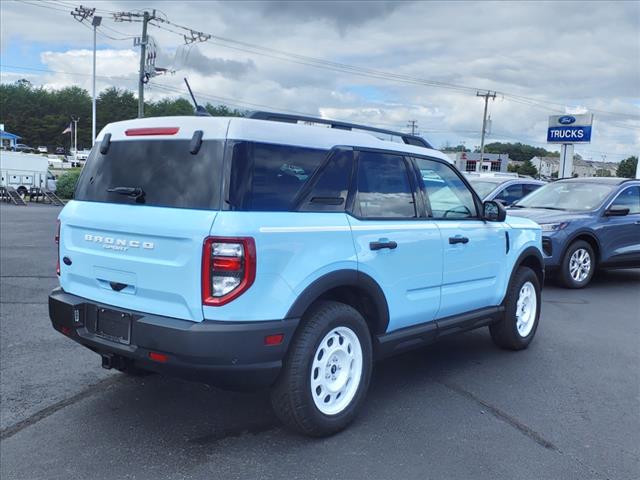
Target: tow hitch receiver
109	361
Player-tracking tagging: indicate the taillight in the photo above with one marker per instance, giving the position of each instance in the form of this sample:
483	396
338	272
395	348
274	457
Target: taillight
57	239
228	268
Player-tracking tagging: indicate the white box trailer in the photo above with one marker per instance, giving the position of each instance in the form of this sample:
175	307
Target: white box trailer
23	171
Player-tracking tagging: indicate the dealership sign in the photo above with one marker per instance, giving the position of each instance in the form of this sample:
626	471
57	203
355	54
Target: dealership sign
570	128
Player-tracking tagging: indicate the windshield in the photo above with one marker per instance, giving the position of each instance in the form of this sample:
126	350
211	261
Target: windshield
567	196
160	173
483	187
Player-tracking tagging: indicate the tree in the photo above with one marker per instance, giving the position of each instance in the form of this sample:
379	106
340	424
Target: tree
524	168
457	148
66	184
602	172
168	107
223	111
627	167
518	151
40	115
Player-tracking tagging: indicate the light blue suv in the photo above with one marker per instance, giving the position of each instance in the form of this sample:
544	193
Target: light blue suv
250	252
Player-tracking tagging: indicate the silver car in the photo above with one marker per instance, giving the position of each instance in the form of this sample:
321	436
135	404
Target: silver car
504	188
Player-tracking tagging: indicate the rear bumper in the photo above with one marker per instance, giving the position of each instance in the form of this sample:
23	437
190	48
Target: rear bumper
226	354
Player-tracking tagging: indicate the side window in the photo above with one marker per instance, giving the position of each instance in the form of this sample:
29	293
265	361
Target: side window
266	177
384	190
629	198
448	196
530	187
329	194
511	194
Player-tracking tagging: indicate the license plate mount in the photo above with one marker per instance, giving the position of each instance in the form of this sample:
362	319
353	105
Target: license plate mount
113	325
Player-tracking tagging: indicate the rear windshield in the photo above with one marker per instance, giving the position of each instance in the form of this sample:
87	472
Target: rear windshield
160	173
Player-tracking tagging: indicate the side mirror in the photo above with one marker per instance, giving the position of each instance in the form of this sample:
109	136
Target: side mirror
616	212
493	211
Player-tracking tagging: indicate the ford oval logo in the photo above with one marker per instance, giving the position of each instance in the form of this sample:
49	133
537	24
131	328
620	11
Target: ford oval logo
566	120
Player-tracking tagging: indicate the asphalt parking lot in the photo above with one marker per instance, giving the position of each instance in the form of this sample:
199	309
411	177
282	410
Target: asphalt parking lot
568	407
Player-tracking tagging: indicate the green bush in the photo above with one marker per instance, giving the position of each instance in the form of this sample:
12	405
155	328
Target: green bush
66	184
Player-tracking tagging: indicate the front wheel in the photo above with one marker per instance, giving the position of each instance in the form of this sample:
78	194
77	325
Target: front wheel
578	265
522	312
326	374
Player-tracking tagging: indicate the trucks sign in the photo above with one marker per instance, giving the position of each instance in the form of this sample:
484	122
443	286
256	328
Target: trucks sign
569	128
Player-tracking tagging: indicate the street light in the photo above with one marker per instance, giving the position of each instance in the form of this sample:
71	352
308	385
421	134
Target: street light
96	23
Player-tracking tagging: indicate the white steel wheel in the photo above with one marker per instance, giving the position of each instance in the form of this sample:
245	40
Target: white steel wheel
580	265
526	309
336	371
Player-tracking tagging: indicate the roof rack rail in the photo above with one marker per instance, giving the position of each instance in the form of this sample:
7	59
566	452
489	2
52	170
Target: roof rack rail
287	118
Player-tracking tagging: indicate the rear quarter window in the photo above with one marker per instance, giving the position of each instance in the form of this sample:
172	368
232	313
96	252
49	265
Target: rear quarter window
268	177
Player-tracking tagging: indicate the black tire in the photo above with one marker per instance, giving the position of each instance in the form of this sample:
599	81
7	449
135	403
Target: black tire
505	333
22	191
291	396
565	267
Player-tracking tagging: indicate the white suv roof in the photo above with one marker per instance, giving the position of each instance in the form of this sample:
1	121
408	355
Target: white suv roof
266	131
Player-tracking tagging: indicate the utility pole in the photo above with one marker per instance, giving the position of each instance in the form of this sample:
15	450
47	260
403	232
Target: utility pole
143	76
143	53
96	23
484	125
81	14
413	124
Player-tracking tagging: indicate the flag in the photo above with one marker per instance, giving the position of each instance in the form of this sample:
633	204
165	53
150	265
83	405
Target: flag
67	130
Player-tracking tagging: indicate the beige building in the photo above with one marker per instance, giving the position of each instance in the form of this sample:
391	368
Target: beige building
550	166
590	168
547	166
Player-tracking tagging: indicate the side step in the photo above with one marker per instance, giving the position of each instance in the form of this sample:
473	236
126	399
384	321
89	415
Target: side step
11	195
53	198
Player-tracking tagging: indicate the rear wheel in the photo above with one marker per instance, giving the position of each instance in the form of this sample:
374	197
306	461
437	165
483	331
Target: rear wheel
326	374
522	312
578	265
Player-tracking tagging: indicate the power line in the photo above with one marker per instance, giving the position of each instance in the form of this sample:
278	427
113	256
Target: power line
354	70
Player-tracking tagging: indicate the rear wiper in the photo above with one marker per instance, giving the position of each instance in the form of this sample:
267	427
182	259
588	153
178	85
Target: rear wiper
133	192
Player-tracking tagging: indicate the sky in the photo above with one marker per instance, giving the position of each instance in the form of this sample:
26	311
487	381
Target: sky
420	61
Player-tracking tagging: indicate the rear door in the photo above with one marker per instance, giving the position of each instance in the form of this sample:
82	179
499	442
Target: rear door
394	243
474	250
133	236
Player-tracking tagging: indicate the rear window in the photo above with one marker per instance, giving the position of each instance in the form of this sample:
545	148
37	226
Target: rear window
268	177
165	170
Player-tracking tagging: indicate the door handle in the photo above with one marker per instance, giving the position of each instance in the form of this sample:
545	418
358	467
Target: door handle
380	245
458	239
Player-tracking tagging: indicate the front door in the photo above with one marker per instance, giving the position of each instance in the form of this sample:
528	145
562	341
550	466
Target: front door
620	236
474	250
394	244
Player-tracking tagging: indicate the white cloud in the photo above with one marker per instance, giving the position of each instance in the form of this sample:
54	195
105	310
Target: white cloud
569	53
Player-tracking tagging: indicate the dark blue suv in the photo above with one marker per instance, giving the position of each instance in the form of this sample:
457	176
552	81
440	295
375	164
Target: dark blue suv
587	223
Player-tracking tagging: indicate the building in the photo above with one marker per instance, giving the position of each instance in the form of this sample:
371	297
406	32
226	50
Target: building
547	166
9	140
491	162
590	168
550	166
